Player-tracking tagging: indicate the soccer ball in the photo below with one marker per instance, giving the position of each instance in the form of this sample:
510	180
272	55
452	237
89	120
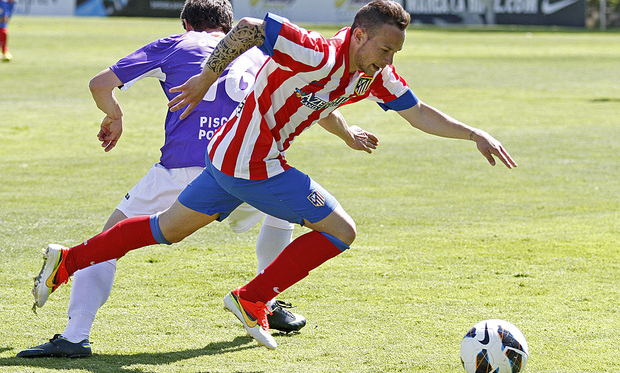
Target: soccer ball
494	346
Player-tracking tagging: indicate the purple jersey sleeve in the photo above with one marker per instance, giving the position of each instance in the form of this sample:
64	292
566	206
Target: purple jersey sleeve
175	59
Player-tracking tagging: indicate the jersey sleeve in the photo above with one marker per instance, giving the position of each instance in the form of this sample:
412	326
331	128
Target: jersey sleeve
292	46
144	62
391	91
273	25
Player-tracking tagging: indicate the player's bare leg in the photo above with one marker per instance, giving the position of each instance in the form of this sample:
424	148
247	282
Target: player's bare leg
338	224
178	222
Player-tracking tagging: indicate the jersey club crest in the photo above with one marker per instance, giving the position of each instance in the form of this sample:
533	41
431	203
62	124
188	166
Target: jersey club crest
363	83
316	198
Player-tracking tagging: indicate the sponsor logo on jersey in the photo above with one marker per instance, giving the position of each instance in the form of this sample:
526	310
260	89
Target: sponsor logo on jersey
363	84
317	103
316	198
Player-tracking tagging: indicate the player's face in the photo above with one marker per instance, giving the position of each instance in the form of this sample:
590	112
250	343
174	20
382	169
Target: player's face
374	53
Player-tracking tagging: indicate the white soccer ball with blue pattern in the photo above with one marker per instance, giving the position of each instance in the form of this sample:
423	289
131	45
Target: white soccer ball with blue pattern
494	346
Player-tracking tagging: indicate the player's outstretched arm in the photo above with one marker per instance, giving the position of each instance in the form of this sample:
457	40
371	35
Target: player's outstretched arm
353	136
102	89
433	121
247	33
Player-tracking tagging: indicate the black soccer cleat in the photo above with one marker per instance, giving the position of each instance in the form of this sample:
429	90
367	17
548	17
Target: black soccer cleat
284	320
58	347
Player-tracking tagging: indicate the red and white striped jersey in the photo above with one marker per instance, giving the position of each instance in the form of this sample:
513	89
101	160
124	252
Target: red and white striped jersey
305	79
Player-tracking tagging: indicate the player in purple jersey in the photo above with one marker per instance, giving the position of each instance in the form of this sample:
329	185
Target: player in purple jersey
6	11
173	60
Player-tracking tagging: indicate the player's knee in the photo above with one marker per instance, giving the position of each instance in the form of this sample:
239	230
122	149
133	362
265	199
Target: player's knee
348	233
176	236
345	229
174	239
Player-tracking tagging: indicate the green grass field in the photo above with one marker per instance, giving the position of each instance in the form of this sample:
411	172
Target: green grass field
444	240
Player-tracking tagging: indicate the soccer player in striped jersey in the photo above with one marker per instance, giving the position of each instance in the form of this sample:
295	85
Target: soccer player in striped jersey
172	60
306	79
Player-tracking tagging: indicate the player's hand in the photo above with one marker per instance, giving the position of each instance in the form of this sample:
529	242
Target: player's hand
490	148
362	140
192	92
109	133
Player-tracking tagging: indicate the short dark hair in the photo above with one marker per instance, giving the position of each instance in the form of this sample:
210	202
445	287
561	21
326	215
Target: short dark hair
208	14
378	13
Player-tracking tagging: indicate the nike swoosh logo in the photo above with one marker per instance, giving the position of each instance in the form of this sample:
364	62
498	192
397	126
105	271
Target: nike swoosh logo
549	8
486	338
50	280
248	320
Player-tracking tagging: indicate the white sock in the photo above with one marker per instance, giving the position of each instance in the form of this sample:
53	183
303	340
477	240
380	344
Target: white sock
90	289
275	234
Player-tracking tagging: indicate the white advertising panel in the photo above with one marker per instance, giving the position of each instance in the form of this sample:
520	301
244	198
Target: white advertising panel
45	7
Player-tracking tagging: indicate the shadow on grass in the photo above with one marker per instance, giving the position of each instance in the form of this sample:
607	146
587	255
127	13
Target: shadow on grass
605	99
127	363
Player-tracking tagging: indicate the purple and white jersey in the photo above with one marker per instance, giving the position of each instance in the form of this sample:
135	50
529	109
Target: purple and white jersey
175	59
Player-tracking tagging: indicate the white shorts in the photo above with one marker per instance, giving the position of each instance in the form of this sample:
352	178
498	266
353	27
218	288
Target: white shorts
160	187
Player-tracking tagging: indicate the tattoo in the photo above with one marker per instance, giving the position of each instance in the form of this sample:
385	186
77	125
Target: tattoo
471	135
241	38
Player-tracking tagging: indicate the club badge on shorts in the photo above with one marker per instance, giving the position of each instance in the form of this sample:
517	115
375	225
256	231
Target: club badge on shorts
316	198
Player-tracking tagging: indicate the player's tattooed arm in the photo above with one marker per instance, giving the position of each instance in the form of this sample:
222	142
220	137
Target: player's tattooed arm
249	32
